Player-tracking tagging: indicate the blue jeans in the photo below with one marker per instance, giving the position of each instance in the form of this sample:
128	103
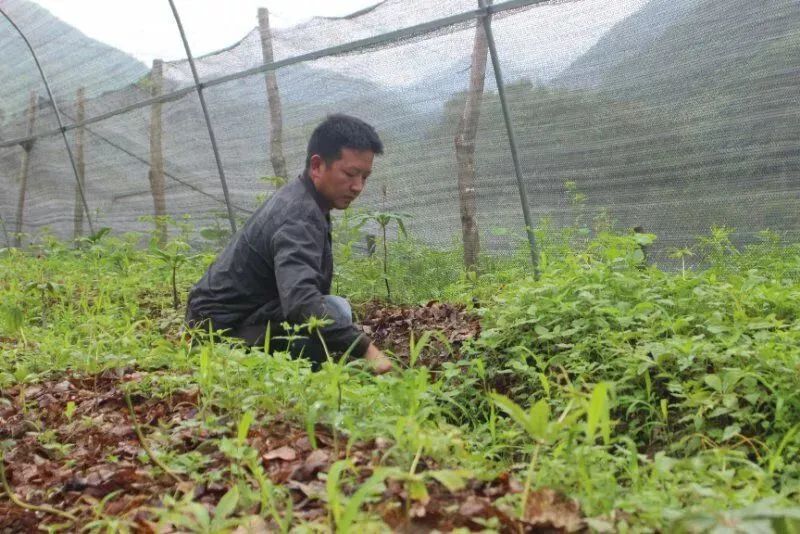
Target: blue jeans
309	347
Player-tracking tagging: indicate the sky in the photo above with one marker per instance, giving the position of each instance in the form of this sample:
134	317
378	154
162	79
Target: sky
146	28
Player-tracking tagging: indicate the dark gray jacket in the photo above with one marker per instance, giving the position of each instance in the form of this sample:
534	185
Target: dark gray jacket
276	268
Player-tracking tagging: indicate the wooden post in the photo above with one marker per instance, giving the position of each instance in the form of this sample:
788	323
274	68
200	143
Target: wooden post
27	147
465	149
80	163
156	173
273	97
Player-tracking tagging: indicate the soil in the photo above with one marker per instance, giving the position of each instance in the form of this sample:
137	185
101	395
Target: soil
72	445
390	327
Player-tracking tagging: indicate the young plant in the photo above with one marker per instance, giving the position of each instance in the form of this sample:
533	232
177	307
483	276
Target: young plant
384	220
539	427
103	524
343	511
682	254
173	255
91	241
14	320
46	289
191	516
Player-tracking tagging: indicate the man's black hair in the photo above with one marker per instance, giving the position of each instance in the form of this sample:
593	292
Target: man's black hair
341	131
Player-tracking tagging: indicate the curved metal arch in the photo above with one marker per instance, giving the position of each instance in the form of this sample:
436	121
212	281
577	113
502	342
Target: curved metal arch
58	117
203	105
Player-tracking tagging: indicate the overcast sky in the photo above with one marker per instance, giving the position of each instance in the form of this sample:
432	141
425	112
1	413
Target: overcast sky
146	28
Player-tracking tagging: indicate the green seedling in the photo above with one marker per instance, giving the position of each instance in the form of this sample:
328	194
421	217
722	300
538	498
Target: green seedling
384	219
194	517
69	410
46	290
173	255
682	254
344	511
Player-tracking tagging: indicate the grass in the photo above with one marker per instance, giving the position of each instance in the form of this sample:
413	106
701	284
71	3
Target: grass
659	400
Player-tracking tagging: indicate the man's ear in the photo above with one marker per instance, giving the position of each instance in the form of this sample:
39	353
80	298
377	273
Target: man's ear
315	166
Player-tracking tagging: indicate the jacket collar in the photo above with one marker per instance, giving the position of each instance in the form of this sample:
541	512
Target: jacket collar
322	202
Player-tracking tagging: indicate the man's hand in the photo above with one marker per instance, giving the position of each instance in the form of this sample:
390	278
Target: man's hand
377	360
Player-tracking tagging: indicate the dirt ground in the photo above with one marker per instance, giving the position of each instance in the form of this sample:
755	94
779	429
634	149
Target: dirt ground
75	449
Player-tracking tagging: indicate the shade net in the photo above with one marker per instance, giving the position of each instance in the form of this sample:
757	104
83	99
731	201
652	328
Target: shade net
670	115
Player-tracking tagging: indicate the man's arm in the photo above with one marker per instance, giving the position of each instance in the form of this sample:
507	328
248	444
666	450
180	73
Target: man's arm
297	249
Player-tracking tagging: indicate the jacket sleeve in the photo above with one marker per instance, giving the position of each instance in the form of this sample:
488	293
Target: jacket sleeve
297	248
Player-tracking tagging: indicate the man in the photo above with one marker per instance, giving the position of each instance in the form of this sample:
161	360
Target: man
278	267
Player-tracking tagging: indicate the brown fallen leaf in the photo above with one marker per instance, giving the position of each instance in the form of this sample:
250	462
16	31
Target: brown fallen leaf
254	525
62	387
283	453
473	506
418	510
547	508
24	475
303	444
32	392
317	461
312	490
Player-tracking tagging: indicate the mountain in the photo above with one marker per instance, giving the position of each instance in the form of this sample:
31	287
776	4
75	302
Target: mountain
626	40
684	116
672	50
69	59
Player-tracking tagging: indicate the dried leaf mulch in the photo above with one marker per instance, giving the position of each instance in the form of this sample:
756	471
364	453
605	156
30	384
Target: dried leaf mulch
390	327
71	443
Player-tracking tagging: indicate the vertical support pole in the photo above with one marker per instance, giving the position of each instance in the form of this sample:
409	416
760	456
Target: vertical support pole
205	114
465	149
27	148
273	97
58	116
512	140
81	162
155	174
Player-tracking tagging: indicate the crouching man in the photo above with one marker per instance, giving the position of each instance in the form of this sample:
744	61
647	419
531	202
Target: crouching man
278	267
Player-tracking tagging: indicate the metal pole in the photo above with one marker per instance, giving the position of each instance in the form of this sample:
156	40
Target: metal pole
205	114
58	118
512	140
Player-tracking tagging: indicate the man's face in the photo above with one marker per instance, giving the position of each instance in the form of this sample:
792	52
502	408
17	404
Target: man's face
343	180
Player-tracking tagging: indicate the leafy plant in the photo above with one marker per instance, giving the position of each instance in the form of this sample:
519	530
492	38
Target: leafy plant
194	517
46	290
173	255
661	400
384	220
344	510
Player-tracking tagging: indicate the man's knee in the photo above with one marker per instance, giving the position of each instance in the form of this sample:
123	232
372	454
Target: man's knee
339	310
